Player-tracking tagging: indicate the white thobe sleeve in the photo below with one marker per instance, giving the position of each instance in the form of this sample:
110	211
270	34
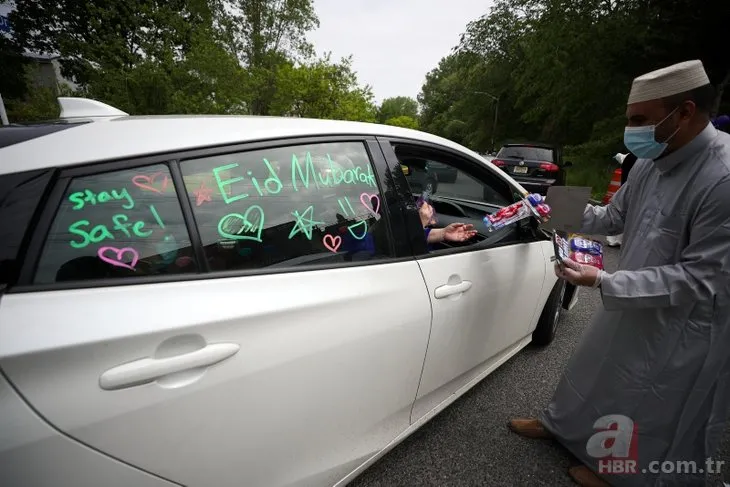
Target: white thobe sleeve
609	219
702	272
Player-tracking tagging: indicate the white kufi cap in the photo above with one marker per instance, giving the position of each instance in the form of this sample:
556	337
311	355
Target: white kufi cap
668	81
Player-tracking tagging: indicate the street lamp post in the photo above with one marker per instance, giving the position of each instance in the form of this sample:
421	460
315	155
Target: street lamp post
496	111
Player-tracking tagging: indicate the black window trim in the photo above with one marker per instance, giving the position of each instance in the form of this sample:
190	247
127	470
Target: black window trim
42	226
389	152
51	176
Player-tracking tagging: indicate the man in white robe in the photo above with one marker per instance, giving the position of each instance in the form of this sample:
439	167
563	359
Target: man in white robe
653	366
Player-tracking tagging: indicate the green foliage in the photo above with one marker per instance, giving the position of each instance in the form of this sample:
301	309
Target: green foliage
322	89
397	107
403	121
562	70
12	81
193	56
39	102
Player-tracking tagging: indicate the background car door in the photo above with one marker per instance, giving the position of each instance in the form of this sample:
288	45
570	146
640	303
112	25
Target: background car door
276	344
484	295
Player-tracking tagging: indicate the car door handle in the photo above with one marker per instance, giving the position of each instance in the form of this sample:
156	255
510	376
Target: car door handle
150	369
450	289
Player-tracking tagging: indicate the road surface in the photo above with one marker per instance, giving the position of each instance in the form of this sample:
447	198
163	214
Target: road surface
468	444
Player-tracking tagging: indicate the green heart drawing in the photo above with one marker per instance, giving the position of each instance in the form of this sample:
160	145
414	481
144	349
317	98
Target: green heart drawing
363	225
235	225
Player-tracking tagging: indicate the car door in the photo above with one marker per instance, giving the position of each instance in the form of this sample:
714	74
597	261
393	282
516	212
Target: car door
486	295
229	317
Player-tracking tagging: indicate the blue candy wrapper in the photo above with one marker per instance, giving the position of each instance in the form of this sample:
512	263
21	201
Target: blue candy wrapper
580	244
426	198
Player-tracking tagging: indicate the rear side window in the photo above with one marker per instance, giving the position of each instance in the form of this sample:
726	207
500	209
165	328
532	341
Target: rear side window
528	153
20	195
288	206
117	224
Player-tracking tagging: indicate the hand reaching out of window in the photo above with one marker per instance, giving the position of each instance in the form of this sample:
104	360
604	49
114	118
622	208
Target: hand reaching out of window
458	232
454	232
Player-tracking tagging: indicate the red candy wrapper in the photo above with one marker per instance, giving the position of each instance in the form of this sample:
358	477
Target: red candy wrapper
532	205
588	259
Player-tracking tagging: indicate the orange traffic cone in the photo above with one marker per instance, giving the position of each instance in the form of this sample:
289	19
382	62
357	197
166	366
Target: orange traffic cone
613	186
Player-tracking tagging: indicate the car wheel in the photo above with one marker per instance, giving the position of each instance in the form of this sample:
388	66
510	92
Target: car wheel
547	325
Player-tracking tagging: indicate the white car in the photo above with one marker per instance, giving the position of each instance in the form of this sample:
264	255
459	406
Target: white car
202	301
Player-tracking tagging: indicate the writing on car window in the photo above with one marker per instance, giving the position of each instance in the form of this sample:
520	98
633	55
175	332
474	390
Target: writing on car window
117	224
297	205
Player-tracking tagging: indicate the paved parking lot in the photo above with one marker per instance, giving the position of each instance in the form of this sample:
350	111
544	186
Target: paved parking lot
468	444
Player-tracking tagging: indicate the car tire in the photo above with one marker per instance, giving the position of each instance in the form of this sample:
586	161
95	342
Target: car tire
547	325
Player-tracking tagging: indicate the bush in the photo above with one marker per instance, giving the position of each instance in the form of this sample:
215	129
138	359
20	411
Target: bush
593	162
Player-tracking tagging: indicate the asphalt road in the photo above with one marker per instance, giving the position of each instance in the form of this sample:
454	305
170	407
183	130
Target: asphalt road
468	444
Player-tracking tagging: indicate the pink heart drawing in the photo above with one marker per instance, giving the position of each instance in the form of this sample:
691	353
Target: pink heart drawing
367	201
149	183
332	243
116	260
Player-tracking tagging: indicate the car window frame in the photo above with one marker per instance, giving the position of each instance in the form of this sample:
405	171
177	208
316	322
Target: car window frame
390	202
414	224
47	177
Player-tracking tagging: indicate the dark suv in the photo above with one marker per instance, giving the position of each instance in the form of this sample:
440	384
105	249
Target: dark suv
535	166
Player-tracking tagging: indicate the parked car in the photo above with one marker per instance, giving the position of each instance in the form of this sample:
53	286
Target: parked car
209	301
534	166
419	175
443	172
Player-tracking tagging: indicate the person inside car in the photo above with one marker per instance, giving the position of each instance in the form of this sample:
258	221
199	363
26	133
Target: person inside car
453	232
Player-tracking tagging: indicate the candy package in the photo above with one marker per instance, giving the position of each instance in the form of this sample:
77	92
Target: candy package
595	260
579	249
561	247
425	197
578	243
531	205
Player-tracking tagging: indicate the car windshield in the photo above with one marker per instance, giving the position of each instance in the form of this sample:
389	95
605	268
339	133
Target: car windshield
526	152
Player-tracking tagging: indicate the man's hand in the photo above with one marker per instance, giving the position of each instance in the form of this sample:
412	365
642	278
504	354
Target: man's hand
577	274
459	232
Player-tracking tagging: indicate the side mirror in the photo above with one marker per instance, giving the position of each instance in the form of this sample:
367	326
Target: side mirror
567	164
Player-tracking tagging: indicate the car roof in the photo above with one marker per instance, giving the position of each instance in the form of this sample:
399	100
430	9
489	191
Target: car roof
117	137
17	133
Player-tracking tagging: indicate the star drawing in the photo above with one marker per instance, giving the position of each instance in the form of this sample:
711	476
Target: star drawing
202	194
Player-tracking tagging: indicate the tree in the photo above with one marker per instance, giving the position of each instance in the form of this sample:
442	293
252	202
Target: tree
119	34
13	81
403	121
562	69
267	34
194	56
322	89
396	107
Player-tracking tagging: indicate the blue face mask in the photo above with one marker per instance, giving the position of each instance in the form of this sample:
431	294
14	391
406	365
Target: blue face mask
642	143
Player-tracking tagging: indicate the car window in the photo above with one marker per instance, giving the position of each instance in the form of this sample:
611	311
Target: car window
287	206
528	153
443	179
117	224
